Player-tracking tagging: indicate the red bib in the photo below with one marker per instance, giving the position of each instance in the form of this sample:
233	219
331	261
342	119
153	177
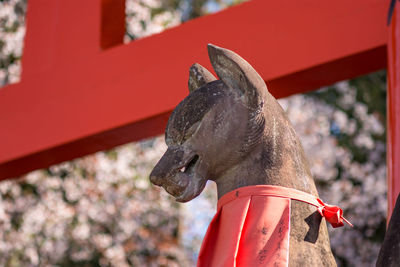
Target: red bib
252	226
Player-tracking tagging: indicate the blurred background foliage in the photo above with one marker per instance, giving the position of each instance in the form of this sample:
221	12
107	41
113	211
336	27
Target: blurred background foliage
100	210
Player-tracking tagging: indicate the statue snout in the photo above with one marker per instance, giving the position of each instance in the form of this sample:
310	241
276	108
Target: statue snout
167	167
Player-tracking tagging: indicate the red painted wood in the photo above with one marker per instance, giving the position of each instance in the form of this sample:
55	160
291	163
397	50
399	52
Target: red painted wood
393	111
112	23
76	99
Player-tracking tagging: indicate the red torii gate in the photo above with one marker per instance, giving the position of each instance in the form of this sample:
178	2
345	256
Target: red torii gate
82	91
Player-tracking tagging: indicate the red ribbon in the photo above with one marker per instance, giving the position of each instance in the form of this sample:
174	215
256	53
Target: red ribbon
333	214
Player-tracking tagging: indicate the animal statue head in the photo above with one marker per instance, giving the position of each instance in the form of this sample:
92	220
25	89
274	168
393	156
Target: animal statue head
230	130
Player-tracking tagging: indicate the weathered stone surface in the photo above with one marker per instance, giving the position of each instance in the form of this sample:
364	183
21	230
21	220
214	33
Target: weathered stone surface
234	132
389	255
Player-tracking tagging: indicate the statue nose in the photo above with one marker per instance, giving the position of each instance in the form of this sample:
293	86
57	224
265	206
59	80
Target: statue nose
154	178
166	166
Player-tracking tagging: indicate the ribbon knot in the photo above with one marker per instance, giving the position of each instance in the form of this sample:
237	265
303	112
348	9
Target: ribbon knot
333	214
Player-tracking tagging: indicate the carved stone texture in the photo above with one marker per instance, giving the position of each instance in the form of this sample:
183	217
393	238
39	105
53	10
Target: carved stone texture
389	255
233	131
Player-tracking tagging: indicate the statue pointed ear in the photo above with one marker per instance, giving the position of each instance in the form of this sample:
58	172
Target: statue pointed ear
238	75
199	76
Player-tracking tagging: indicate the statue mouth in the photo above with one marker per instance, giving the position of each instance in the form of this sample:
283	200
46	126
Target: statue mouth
195	183
184	181
186	184
189	165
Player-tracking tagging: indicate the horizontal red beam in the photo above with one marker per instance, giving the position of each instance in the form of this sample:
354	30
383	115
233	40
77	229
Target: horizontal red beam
71	104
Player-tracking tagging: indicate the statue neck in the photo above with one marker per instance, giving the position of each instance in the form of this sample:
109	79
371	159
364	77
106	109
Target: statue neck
284	165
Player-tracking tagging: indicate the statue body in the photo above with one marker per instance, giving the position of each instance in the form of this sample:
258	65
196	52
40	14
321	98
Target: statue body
233	131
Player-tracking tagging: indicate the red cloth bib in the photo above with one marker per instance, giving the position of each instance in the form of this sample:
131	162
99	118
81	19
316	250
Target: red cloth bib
252	226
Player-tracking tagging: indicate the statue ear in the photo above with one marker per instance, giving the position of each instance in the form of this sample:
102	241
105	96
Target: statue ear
238	75
199	76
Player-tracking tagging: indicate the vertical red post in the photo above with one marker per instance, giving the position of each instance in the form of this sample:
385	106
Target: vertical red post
112	23
66	32
393	110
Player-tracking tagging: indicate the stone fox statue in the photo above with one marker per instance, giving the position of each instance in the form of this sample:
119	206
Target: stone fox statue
232	131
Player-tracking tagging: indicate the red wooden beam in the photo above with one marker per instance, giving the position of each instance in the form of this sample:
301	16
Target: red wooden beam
74	98
393	111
